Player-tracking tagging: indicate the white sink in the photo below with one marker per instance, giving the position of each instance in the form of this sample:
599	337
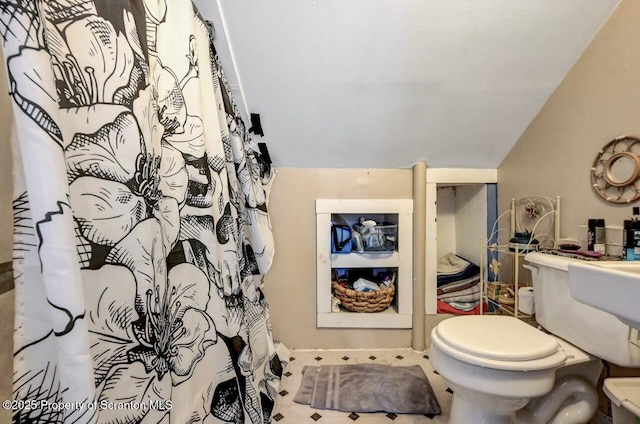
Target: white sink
612	286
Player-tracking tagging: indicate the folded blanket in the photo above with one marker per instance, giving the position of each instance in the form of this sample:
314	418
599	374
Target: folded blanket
470	294
463	269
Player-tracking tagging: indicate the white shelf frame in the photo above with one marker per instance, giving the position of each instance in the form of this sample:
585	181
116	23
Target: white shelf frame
399	315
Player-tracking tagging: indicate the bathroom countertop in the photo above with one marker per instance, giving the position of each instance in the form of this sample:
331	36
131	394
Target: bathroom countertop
581	257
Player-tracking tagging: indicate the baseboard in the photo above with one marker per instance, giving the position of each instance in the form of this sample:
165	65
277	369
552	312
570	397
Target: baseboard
600	418
6	277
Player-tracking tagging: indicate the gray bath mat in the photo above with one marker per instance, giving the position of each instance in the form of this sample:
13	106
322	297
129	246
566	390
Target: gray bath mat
368	388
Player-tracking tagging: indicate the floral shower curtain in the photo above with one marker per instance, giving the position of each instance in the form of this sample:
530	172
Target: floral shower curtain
140	215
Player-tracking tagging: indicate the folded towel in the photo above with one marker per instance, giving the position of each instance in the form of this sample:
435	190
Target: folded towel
464	306
445	308
362	284
453	268
469	294
451	264
458	285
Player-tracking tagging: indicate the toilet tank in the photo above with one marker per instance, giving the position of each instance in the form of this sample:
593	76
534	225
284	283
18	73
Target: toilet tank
592	330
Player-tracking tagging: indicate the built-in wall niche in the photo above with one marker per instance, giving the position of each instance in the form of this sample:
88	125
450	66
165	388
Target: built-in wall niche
460	205
462	212
378	257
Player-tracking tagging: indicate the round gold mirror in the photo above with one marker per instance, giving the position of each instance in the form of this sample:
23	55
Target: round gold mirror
616	169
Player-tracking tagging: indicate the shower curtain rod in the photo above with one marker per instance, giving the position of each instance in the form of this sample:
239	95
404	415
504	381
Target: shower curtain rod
232	57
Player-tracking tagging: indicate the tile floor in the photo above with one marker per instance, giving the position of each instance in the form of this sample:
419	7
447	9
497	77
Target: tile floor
288	412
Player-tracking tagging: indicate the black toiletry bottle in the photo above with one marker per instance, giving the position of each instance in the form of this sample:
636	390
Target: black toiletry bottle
627	240
631	236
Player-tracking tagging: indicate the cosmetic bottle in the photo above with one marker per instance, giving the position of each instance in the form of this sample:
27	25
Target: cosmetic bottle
631	236
595	235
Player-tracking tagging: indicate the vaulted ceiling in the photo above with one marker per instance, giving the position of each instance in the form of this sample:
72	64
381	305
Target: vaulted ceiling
388	83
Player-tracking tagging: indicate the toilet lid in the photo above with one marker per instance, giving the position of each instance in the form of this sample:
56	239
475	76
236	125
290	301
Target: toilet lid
494	337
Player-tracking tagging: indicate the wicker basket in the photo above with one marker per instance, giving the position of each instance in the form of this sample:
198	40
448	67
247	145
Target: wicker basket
370	301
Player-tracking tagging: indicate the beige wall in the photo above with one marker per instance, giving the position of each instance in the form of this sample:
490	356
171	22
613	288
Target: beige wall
598	100
6	195
290	285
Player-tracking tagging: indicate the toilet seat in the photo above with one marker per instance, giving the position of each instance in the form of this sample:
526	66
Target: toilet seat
498	342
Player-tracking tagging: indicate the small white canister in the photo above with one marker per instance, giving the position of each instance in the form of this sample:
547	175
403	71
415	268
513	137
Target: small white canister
525	300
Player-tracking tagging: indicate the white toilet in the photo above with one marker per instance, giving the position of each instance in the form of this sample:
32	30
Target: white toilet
502	370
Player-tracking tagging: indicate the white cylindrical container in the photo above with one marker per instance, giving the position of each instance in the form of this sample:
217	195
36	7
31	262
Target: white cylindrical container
525	300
